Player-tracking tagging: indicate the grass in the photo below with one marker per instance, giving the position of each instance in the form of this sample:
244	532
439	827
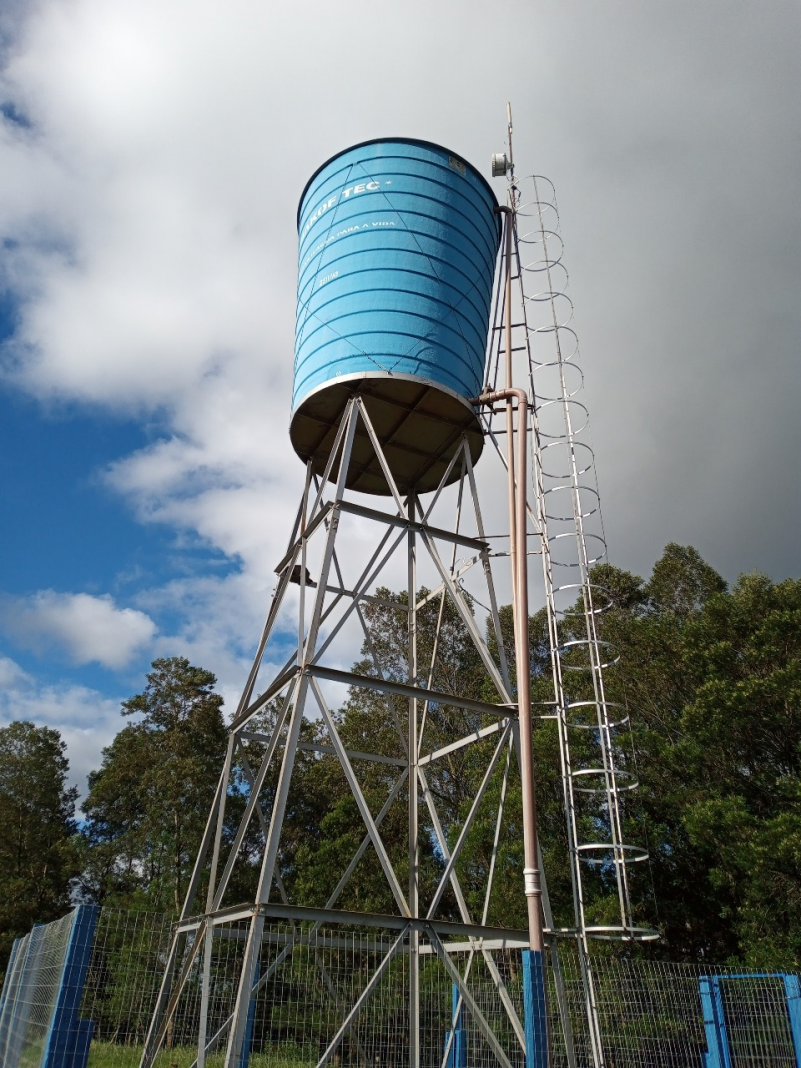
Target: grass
111	1055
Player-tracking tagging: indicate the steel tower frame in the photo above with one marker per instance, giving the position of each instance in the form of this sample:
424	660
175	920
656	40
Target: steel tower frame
327	607
324	609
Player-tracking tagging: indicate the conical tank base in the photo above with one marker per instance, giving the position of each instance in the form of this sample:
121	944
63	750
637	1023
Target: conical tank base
419	425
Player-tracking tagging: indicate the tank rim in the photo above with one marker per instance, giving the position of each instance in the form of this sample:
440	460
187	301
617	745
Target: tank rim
402	141
374	375
413	463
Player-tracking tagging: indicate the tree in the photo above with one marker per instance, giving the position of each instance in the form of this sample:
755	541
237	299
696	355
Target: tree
711	677
37	856
712	680
743	754
148	802
323	828
647	623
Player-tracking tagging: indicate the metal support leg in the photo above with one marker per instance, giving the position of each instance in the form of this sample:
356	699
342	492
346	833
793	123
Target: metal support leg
413	748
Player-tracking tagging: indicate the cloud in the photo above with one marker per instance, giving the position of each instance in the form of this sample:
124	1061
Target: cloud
87	720
148	214
89	629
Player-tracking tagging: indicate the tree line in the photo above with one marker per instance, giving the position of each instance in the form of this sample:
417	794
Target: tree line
710	674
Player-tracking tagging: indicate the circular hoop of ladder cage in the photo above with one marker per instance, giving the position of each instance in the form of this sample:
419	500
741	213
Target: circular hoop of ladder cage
398	240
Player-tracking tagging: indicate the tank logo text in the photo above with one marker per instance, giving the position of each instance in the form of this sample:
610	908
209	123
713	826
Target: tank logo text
353	190
356	228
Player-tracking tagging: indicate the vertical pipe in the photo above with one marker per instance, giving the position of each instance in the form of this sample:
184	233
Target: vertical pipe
459	1050
537	1052
302	574
414	859
519	567
534	1010
531	871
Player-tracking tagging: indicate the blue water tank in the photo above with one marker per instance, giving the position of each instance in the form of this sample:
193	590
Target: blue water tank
398	242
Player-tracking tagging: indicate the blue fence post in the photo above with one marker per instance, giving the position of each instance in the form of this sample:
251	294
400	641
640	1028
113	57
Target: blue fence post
536	1024
459	1047
717	1055
792	991
244	1056
68	1039
456	1046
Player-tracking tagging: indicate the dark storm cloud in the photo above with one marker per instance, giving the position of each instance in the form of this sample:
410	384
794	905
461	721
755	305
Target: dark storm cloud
673	142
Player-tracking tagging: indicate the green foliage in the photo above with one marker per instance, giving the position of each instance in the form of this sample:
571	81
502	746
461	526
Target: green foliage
712	680
711	677
324	829
37	855
148	802
743	751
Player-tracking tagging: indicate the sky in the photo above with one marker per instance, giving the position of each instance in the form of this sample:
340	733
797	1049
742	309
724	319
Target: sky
151	160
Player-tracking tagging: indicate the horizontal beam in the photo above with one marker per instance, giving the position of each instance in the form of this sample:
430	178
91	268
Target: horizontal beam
485	943
320	940
384	602
353	754
300	914
315	747
420	528
402	689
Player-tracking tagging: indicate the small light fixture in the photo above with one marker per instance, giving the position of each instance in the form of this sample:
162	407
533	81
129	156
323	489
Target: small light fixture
500	164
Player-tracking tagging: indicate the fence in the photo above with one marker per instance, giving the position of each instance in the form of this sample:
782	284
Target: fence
82	991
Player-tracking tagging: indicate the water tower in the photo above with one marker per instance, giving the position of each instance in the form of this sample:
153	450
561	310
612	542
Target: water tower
399	384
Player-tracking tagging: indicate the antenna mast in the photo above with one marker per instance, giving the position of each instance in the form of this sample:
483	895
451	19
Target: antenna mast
569	536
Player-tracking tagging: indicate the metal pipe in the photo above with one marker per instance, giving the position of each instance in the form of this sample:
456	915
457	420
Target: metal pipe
519	565
519	562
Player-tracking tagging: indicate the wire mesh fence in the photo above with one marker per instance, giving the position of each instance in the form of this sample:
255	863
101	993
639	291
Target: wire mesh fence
123	980
341	996
664	1015
30	991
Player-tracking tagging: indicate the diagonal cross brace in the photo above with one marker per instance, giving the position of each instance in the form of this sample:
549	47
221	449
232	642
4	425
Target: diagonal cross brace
364	810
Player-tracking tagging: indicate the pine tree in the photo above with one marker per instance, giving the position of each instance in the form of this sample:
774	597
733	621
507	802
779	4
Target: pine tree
148	802
38	859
